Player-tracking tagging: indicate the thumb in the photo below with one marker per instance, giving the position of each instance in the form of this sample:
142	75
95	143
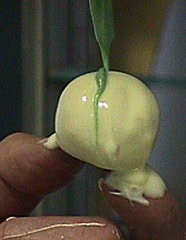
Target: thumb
28	171
161	220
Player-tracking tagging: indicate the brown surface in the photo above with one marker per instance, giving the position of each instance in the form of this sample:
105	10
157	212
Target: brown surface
139	25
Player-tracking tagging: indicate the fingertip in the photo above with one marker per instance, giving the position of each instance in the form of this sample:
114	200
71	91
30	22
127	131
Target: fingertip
162	216
29	166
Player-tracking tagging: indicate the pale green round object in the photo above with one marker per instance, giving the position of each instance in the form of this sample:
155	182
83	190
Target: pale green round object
128	123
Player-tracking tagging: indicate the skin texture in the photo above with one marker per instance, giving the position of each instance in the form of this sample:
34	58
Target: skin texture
28	171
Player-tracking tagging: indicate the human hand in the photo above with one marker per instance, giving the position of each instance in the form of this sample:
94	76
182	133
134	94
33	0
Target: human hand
28	171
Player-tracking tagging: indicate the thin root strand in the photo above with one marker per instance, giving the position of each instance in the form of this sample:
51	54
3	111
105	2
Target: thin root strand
59	225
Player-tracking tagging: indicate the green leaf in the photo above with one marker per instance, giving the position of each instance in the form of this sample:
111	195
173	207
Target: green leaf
103	22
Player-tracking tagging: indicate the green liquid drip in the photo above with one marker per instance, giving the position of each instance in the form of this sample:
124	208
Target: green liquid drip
101	79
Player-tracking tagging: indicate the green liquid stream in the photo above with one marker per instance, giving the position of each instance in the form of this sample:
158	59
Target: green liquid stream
101	79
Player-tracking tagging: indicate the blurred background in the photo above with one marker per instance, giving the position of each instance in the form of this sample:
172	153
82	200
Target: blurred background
44	44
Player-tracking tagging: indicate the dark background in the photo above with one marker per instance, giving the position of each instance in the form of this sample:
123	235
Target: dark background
10	67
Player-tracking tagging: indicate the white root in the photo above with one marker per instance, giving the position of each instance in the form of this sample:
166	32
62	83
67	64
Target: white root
58	225
135	185
99	184
116	193
116	233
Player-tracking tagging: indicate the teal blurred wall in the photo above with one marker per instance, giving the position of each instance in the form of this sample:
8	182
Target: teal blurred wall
10	67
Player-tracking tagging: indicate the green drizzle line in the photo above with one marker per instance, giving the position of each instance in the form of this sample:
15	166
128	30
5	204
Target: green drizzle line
101	79
103	22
